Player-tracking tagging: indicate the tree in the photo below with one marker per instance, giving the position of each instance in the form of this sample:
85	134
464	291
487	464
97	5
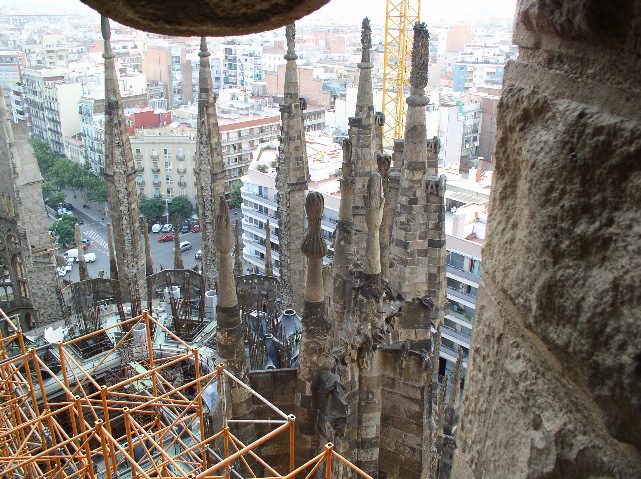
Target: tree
151	208
47	189
235	199
181	208
45	156
95	188
64	229
56	199
68	174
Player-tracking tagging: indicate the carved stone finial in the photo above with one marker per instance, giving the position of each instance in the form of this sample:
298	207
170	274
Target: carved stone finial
204	52
104	27
290	35
313	246
383	161
420	56
106	35
366	34
225	238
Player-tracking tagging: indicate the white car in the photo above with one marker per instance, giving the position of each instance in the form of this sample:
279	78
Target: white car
156	228
90	257
167	228
63	270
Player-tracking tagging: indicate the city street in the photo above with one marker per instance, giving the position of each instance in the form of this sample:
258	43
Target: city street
94	228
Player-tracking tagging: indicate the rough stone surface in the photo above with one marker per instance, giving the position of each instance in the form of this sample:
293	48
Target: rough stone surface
206	17
555	370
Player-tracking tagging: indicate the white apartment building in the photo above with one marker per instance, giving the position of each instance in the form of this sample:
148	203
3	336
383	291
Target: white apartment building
53	106
260	203
165	156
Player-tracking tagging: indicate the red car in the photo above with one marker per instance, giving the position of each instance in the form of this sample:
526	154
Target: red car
195	228
85	244
166	237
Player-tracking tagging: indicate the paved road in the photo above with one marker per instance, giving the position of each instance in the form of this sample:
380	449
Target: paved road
94	228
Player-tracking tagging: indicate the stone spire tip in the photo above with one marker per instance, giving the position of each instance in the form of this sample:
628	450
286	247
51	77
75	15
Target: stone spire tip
420	56
366	34
290	35
204	52
313	246
105	28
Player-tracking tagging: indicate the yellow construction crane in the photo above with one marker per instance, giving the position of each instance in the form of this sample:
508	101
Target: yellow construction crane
401	15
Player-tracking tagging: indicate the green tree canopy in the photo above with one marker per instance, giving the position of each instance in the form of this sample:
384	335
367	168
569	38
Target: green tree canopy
56	199
64	229
45	156
235	199
95	188
181	207
47	189
151	208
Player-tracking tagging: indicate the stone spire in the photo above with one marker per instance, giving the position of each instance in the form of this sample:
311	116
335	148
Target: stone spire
362	133
291	183
209	168
120	173
313	355
419	252
113	265
25	241
238	255
269	263
82	264
229	336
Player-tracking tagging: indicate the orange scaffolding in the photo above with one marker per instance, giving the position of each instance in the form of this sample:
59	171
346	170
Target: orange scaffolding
71	424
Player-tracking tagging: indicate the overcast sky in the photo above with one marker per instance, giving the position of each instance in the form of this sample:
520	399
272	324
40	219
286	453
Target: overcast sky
352	11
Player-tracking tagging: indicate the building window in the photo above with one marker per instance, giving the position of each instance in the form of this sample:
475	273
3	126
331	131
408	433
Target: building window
167	152
169	179
167	165
456	260
156	180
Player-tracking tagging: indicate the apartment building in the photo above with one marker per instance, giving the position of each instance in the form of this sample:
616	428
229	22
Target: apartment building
242	64
260	203
53	106
12	64
18	106
165	155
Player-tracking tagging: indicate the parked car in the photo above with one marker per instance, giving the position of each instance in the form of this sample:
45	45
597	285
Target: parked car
62	271
85	244
156	228
195	228
185	245
90	257
166	237
69	206
185	227
167	228
65	211
199	254
71	254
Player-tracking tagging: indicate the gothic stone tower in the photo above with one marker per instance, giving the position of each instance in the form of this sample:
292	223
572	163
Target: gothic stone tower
291	182
120	173
210	168
31	287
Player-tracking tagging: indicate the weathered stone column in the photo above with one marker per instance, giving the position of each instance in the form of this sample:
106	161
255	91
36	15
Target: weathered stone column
209	168
83	272
229	336
120	173
368	318
314	357
554	380
291	183
238	255
149	267
383	161
362	133
344	257
269	263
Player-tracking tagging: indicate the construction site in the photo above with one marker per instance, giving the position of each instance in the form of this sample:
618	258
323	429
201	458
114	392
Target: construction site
132	411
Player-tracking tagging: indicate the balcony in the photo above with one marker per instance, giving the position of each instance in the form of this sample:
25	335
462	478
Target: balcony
466	275
180	156
138	156
142	195
140	183
154	157
459	318
155	169
181	169
182	183
467	299
140	169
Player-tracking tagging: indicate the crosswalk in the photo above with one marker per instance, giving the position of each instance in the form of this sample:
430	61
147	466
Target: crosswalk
95	238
